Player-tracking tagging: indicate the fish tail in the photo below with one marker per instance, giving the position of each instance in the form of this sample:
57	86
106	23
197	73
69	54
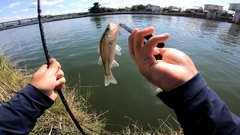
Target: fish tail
109	79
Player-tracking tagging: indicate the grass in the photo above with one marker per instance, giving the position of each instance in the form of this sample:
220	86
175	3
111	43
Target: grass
56	121
10	79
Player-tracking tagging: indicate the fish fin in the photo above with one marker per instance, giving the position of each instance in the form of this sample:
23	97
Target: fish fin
159	90
98	49
118	50
109	79
114	64
119	33
100	61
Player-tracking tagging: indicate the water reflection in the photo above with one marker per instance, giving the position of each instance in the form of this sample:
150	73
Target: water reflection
209	27
152	17
137	18
97	20
231	36
234	30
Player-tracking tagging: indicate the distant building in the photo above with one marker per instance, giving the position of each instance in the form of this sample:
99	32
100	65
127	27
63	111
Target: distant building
153	8
195	9
174	9
127	8
235	7
227	15
214	11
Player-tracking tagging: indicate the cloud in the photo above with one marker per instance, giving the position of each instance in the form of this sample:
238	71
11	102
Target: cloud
45	3
61	6
123	3
14	12
24	10
50	3
6	19
33	5
13	5
77	4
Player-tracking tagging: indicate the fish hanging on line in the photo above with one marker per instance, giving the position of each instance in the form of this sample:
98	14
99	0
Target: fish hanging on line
107	49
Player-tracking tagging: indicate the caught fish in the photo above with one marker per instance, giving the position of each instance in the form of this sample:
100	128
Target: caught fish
107	49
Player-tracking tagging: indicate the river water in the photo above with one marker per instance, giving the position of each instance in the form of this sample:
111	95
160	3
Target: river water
213	46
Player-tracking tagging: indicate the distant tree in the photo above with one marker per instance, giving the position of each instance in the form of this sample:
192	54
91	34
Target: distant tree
133	8
121	9
165	9
138	8
180	9
111	10
95	8
103	9
141	7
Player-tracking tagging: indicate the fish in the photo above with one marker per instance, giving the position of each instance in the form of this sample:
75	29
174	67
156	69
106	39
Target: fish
107	49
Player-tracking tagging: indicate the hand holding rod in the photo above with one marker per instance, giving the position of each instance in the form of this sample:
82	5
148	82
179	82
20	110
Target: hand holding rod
160	45
48	63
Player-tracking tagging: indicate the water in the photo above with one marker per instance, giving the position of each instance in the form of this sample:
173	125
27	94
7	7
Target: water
213	46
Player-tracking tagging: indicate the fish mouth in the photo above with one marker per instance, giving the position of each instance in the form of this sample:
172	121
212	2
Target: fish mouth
112	30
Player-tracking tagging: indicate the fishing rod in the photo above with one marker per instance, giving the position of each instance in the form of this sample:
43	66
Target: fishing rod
159	45
48	63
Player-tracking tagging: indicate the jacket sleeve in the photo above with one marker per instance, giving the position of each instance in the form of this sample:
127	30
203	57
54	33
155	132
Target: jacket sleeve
199	110
19	115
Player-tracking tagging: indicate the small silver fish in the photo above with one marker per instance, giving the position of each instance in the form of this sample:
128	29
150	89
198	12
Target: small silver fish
107	49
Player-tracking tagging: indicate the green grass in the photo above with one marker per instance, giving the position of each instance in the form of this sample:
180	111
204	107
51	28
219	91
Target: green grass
56	121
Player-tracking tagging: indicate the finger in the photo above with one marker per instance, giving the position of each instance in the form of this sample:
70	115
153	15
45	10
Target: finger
60	83
156	51
152	43
131	42
43	68
54	66
139	41
59	74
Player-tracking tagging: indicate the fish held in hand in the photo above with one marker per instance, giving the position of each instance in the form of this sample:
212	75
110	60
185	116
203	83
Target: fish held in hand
107	49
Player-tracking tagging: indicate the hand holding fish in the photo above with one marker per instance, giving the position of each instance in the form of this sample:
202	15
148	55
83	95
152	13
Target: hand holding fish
175	67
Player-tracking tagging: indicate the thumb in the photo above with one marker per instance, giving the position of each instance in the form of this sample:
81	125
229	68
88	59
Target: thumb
162	50
53	67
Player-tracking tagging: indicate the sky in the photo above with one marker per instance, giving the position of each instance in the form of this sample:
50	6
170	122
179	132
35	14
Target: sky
21	9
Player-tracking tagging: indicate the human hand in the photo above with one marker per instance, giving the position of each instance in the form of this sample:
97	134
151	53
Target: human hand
175	67
49	79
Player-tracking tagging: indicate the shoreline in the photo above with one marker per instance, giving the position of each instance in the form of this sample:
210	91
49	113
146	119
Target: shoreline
80	15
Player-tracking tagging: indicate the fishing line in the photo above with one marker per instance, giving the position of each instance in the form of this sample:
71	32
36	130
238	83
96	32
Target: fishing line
48	63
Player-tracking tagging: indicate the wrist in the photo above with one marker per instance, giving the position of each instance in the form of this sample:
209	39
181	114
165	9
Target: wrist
176	81
38	93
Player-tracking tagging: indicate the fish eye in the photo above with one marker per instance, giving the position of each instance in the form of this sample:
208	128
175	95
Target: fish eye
107	28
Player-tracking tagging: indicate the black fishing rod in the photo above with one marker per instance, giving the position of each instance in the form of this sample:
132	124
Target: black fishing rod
48	63
159	45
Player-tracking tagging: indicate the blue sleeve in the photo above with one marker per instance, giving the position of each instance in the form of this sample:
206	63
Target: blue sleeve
19	115
199	110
